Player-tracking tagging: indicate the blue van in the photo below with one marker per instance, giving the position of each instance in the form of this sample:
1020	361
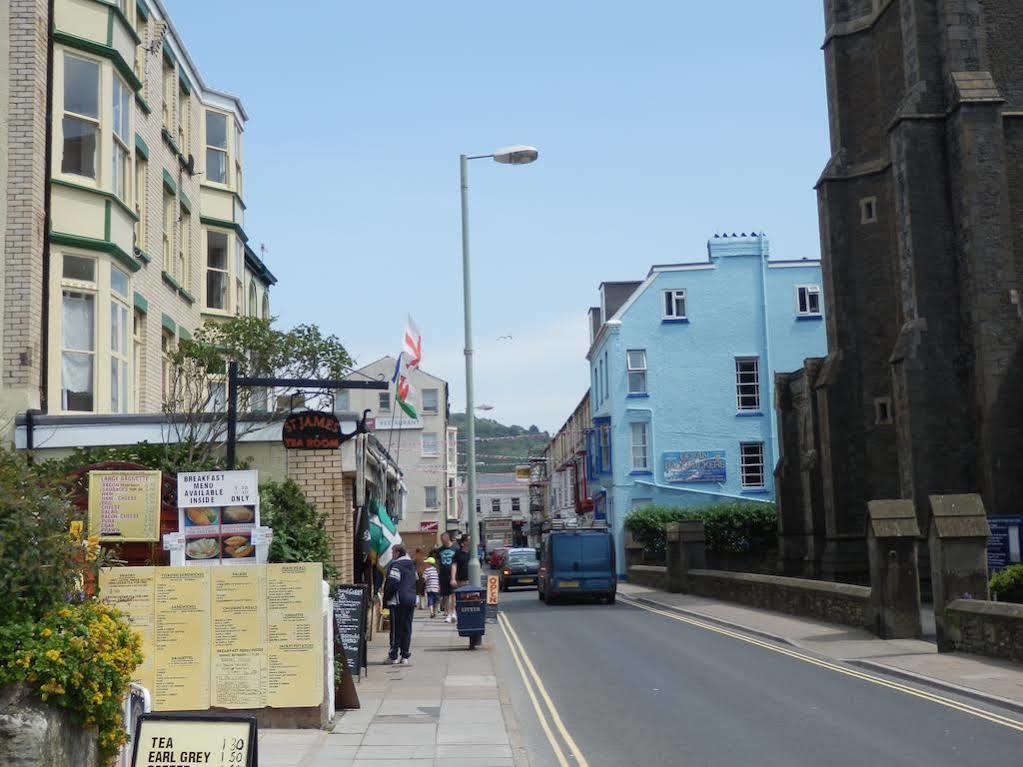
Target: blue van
577	562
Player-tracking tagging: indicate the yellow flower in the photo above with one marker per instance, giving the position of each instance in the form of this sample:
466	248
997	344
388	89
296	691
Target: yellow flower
46	632
64	613
53	654
76	530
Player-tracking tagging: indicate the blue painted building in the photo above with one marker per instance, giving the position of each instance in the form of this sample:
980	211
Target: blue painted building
681	377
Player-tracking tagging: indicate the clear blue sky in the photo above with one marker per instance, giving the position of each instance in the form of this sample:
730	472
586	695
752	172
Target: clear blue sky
658	124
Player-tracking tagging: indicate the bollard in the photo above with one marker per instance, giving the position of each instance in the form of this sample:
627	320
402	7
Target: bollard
892	534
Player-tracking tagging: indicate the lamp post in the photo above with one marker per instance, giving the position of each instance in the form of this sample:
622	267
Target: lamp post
512	155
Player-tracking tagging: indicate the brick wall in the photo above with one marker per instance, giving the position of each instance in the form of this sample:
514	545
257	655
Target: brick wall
23	237
318	474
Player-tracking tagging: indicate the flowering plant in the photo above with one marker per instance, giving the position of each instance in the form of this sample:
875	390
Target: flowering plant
80	657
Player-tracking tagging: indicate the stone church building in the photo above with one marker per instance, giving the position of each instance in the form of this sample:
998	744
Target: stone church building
921	218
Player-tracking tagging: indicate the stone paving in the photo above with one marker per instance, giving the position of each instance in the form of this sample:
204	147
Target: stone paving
446	708
918	660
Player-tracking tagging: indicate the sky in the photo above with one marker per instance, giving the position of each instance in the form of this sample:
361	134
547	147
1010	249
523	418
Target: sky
659	123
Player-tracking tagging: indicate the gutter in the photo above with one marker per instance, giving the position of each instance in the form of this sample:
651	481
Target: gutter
44	343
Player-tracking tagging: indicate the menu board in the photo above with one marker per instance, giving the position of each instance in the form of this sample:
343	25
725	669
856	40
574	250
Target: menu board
182	679
218	512
231	637
221	741
239	637
124	506
350	624
294	635
132	590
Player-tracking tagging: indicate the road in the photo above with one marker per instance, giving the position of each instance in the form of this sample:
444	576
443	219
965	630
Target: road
637	688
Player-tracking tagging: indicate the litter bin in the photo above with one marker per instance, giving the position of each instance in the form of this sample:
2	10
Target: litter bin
471	612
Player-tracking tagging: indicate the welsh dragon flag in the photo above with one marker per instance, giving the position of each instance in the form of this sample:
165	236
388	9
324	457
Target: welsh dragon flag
402	387
382	534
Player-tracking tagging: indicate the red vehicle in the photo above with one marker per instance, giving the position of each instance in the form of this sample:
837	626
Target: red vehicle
497	556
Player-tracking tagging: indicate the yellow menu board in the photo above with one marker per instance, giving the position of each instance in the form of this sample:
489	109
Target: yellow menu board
182	639
205	742
125	505
239	658
294	634
132	591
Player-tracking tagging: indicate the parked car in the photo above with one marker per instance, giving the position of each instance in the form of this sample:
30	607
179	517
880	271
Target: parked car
521	568
578	562
497	556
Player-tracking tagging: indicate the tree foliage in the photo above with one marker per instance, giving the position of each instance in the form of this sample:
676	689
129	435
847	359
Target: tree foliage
299	529
1007	583
736	528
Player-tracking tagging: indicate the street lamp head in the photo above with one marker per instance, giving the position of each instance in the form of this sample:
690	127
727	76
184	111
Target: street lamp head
519	154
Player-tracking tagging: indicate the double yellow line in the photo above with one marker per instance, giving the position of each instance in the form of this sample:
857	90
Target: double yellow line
1004	721
550	720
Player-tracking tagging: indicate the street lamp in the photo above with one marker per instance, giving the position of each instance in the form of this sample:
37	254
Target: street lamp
511	155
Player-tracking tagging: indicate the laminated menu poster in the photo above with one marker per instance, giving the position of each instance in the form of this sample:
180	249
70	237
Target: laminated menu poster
217	512
182	679
294	597
239	652
132	590
124	506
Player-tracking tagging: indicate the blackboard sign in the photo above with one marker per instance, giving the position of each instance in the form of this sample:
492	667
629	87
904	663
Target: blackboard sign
350	624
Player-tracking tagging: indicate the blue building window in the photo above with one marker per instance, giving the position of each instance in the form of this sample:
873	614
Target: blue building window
640	447
751	465
675	305
635	360
808	301
747	384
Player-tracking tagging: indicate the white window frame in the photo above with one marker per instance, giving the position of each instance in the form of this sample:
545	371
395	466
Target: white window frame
516	505
253	302
426	497
224	271
803	302
384	402
747	384
120	345
495	506
637	370
121	169
170	88
639	435
436	402
138	343
80	288
168	228
141	187
184	248
224	150
93	120
425	451
167	347
670	304
751	464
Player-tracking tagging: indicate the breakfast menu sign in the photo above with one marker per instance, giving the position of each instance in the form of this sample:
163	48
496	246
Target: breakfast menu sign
217	513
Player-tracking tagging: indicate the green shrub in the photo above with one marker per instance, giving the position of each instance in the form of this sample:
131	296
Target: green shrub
742	527
1007	583
169	458
38	559
299	532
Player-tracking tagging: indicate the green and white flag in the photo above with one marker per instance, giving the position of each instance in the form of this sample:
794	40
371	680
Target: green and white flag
382	534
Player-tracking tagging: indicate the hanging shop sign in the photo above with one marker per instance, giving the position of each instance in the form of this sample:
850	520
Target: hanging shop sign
311	430
125	505
522	473
189	741
695	466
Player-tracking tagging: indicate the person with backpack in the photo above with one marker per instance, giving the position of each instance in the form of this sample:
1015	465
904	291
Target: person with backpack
432	578
400	598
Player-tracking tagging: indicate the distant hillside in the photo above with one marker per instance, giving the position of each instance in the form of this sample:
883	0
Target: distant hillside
499	447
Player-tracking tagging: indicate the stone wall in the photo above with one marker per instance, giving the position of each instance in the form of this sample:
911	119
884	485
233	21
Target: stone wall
986	628
651	576
824	600
318	473
37	734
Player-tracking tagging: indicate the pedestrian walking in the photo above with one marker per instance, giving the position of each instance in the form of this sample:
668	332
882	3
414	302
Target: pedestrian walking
432	578
445	556
460	565
400	597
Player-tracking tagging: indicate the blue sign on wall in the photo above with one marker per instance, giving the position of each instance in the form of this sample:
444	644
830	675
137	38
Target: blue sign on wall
695	466
1004	545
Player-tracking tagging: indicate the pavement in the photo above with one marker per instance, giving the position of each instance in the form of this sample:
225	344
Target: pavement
446	708
987	680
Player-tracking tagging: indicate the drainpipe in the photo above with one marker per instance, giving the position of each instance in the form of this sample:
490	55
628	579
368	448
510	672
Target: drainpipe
767	360
44	344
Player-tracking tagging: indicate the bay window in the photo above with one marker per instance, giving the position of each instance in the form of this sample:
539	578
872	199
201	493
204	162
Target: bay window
141	178
118	341
78	334
216	270
121	155
80	124
216	147
239	271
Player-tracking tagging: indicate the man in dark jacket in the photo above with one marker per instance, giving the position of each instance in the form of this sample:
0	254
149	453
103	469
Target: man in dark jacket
400	598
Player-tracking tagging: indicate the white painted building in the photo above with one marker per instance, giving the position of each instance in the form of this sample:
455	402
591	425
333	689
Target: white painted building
425	447
501	499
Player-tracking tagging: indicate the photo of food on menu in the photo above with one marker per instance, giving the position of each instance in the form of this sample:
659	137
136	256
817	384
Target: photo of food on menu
219	534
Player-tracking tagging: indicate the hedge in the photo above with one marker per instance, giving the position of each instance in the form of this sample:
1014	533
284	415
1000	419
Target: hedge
735	528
